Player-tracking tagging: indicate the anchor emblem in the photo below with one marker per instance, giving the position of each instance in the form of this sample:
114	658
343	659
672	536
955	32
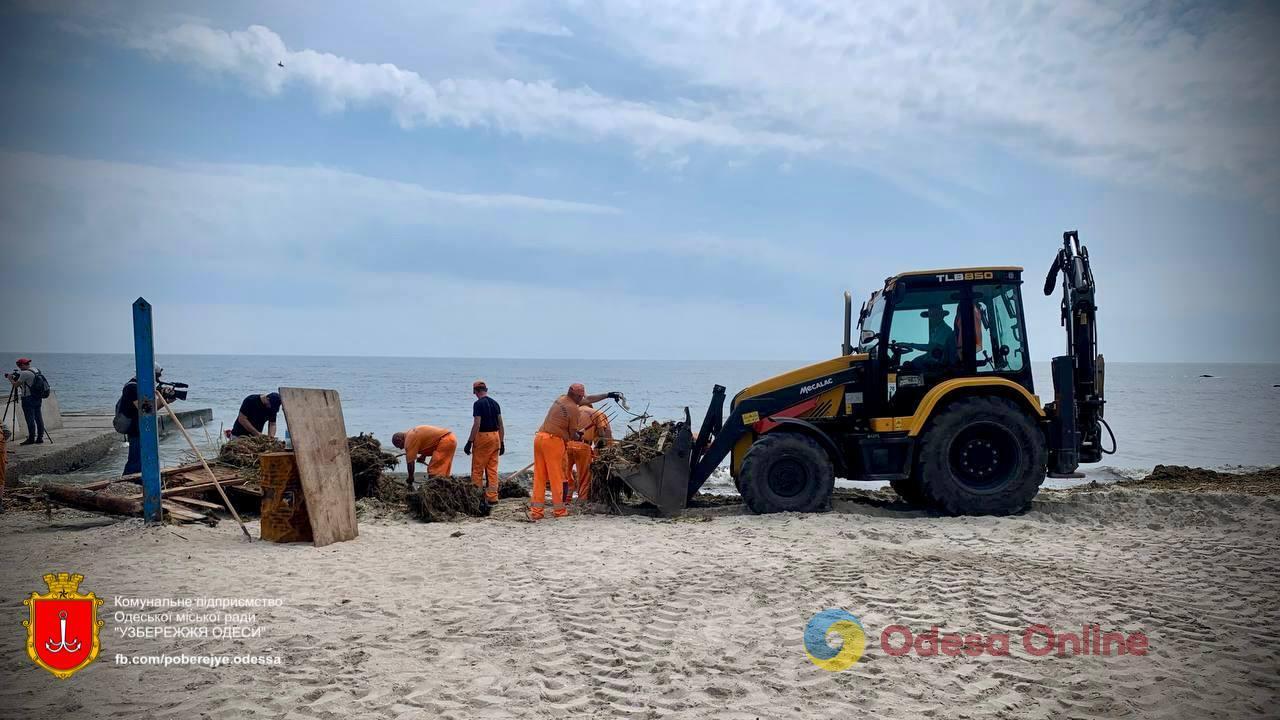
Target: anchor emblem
62	645
63	630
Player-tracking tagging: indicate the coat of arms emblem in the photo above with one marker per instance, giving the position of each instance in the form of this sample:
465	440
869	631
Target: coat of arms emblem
62	633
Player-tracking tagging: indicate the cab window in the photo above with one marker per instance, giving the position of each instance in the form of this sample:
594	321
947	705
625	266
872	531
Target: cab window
869	328
922	334
1002	345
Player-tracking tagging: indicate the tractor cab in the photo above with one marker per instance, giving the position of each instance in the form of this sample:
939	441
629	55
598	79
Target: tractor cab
927	327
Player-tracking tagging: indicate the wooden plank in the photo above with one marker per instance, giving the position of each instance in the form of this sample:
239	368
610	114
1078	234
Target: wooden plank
200	487
177	512
195	502
324	465
137	477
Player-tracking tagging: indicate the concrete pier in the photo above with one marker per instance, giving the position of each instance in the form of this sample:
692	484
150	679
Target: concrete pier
80	440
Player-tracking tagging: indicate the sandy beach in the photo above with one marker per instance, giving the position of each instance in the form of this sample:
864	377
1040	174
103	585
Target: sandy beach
702	616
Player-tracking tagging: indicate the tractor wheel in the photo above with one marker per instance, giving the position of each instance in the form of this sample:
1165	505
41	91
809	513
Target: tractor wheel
982	456
786	472
909	490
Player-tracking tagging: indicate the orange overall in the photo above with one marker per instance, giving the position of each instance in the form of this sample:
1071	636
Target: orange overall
594	426
484	463
577	469
549	452
439	443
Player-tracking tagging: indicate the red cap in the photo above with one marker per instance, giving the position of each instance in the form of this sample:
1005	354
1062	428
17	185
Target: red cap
24	361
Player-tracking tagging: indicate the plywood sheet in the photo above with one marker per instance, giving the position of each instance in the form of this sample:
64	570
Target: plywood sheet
324	465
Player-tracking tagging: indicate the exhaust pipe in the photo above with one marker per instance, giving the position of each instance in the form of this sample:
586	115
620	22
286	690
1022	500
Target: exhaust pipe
847	347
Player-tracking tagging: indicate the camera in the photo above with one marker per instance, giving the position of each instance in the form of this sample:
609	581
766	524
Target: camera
171	391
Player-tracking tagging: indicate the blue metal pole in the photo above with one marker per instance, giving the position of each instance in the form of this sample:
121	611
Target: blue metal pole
145	362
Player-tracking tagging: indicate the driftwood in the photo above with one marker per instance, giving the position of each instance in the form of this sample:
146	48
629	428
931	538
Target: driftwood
90	500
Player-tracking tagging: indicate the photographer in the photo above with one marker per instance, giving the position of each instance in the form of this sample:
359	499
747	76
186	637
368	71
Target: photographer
127	406
26	379
255	412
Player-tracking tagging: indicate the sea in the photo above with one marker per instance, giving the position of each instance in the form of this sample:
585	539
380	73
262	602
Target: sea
1201	414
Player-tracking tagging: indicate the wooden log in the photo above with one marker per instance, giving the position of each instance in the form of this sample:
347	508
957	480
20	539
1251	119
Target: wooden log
89	500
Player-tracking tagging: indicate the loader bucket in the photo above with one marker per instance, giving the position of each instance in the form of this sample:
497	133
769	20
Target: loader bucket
664	480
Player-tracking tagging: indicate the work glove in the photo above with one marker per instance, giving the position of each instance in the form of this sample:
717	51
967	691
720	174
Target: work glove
467	448
615	396
502	448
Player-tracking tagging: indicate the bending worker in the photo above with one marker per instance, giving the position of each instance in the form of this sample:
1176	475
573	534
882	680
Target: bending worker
256	412
595	427
487	441
423	441
562	424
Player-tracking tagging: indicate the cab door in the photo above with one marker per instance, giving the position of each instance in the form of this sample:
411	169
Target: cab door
925	328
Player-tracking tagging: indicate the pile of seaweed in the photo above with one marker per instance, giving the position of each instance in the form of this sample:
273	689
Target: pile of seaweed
636	448
441	499
1248	481
242	453
368	461
511	488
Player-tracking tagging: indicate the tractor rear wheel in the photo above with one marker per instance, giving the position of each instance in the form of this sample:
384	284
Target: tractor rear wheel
786	472
982	456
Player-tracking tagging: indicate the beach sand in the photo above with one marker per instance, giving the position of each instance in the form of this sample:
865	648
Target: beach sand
703	616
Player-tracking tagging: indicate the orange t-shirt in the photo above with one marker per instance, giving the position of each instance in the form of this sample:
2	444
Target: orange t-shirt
563	419
422	440
593	422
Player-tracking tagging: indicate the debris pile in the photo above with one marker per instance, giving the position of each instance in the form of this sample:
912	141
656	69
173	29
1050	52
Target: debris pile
242	453
367	463
636	448
441	499
510	488
1265	481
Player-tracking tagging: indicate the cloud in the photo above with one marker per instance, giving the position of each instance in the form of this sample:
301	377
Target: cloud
510	105
1145	94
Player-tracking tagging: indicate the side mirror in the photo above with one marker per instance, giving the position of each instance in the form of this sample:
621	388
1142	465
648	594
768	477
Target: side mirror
867	336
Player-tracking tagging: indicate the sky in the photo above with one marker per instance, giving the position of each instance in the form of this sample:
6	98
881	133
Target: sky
608	179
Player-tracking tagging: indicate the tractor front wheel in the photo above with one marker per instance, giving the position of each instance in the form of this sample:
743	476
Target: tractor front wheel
982	456
786	472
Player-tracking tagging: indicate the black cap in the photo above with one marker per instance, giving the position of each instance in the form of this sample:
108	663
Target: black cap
274	401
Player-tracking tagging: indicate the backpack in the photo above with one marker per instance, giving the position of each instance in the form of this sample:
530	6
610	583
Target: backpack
121	422
40	386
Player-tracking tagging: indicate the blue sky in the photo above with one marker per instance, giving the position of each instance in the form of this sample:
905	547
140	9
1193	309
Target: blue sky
627	179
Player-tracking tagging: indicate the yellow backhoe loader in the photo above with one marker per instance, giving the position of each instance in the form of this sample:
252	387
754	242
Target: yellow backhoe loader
936	397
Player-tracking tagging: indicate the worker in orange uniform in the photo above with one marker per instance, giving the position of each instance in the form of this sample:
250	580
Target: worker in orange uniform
595	427
487	441
427	440
562	424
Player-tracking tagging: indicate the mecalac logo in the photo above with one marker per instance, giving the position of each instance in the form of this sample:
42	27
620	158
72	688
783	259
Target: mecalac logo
62	633
806	389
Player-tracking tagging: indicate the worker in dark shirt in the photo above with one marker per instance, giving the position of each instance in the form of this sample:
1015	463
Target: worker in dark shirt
487	441
255	412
